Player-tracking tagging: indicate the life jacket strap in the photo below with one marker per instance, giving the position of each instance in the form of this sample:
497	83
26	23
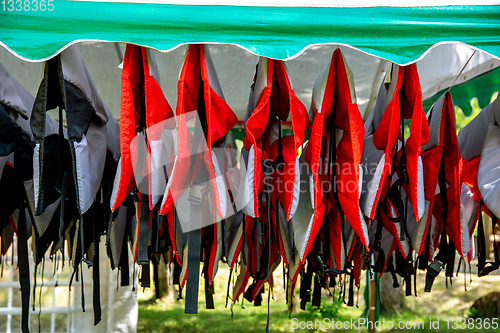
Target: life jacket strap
24	268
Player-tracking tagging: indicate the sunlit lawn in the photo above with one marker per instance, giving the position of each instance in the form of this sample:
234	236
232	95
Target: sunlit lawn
167	315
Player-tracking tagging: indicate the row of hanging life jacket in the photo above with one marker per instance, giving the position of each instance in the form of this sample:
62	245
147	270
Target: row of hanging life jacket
399	186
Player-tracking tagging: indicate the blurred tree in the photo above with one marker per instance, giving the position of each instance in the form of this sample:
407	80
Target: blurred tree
462	119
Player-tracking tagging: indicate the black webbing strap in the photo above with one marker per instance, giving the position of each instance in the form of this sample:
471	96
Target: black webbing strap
193	261
445	250
143	237
316	297
156	278
24	268
390	268
404	267
394	196
209	288
305	286
228	285
95	274
450	264
481	242
145	276
325	226
124	268
494	221
402	164
196	212
377	246
350	300
423	259
64	191
437	264
488	267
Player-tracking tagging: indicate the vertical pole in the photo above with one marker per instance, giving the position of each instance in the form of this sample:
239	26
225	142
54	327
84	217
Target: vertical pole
53	315
372	297
10	294
487	233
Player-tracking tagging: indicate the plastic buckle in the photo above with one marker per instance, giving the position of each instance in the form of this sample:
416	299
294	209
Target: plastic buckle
435	267
196	194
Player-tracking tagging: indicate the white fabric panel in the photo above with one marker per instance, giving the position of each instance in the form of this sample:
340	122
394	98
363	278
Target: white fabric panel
364	227
112	136
158	180
75	72
468	207
237	218
212	74
303	218
52	127
153	68
489	170
464	234
90	155
42	221
439	68
420	189
36	173
260	81
434	119
471	137
296	188
170	141
218	253
371	185
169	183
319	92
360	180
221	186
419	229
11	92
350	79
116	184
248	185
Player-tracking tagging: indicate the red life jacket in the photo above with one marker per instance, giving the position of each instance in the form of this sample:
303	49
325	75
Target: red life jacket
336	121
143	105
400	97
272	175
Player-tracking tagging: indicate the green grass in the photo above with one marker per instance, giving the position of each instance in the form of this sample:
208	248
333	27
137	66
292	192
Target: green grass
167	315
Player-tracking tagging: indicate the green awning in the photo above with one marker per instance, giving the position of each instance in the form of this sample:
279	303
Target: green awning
398	34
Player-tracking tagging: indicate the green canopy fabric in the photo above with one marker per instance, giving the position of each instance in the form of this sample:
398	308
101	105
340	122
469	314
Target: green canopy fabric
398	34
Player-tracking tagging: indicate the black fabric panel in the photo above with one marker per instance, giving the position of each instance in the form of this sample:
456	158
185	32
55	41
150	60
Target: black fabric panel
45	240
11	193
79	111
55	92
10	132
50	95
51	174
107	181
